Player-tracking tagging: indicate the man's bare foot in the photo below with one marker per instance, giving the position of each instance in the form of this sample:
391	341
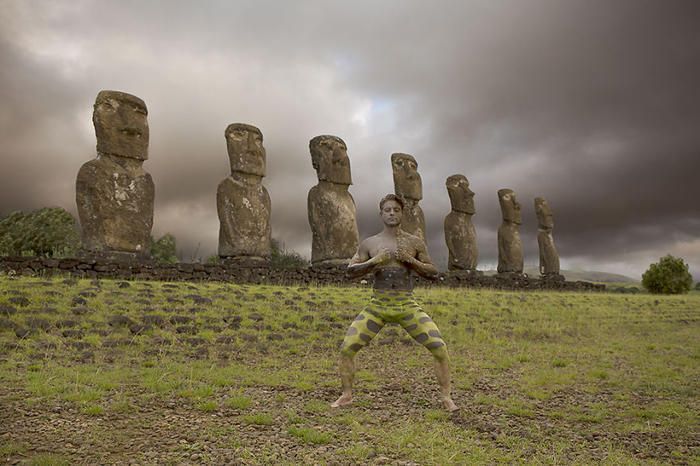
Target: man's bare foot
344	400
449	404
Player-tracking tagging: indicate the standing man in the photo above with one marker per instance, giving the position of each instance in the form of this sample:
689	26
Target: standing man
392	256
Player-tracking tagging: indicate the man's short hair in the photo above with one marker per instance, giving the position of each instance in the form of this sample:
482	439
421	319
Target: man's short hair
392	197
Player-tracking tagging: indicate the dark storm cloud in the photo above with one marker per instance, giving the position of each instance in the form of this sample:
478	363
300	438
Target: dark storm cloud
592	104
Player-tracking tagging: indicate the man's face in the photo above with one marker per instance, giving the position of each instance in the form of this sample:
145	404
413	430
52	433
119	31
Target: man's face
407	181
391	213
332	161
121	127
461	196
245	150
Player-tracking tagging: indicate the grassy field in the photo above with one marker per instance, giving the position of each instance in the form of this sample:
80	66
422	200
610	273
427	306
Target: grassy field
156	373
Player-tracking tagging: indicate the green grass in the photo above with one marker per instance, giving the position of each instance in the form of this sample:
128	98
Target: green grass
239	402
308	435
542	377
259	419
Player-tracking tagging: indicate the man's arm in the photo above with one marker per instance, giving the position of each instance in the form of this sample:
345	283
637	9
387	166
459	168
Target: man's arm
362	263
421	262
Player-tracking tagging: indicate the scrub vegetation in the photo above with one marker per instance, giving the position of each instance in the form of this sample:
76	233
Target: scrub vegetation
95	372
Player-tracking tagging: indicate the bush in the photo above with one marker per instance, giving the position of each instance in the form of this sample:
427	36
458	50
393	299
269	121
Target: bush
284	259
50	231
668	276
164	250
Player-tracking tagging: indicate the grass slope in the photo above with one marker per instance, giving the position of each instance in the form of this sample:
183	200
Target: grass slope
149	372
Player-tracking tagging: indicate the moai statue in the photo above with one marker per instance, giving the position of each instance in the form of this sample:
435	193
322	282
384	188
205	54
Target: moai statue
242	202
460	234
549	259
408	184
332	213
113	192
510	248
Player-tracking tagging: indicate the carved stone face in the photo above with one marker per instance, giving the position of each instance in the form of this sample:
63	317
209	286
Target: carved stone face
407	181
510	208
461	197
329	157
544	214
391	213
245	149
121	126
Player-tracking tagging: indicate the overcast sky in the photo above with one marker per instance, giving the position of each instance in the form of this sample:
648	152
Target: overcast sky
592	104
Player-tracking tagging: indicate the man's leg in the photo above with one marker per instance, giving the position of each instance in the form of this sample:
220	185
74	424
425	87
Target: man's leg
361	331
422	329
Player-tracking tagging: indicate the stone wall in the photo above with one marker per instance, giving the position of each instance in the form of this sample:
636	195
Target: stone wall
144	270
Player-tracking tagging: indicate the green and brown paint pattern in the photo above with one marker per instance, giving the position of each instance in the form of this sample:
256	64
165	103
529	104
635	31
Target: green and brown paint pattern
397	306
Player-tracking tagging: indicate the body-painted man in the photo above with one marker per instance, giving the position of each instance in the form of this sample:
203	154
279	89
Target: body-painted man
393	256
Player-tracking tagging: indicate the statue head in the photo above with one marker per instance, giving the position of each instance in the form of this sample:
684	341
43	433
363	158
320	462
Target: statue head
545	219
245	149
510	208
407	181
121	126
391	209
329	157
461	197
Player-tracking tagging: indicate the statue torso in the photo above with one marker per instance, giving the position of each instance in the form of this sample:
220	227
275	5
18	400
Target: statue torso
115	205
332	217
460	236
245	209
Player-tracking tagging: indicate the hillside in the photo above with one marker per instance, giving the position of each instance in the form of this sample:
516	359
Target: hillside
102	372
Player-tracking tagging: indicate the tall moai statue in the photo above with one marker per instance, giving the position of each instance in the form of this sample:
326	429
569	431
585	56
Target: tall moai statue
549	258
408	184
242	202
113	192
331	208
510	248
460	234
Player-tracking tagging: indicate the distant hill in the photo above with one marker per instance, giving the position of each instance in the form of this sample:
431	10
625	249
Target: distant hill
583	275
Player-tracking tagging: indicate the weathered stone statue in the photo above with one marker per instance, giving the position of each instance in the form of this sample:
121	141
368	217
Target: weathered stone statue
408	184
242	202
393	257
510	248
549	259
332	213
113	192
460	234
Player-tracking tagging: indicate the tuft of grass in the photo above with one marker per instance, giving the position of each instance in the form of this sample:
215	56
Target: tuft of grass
239	402
48	459
316	407
436	415
259	419
207	406
92	410
309	435
12	448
